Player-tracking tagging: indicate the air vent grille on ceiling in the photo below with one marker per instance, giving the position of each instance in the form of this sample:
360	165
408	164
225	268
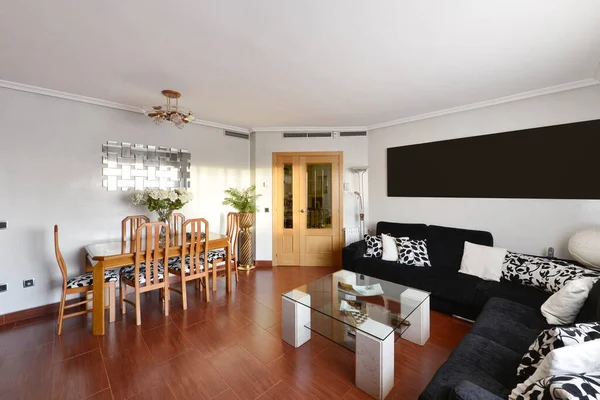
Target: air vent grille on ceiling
295	134
237	135
307	135
355	133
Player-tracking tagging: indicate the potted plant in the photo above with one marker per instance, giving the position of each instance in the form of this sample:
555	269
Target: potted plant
244	201
164	202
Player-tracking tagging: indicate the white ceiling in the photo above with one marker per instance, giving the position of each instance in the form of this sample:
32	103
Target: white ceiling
265	63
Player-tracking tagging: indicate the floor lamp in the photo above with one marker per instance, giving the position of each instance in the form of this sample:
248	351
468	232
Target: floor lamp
360	171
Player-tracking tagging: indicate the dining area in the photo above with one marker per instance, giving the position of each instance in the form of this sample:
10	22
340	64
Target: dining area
165	256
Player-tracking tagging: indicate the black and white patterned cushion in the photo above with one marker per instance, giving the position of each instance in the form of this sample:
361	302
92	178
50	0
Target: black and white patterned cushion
564	387
177	266
129	273
543	273
413	252
374	246
88	279
551	339
216	254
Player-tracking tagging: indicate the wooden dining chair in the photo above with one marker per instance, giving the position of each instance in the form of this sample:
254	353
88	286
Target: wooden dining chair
129	227
192	264
147	273
218	257
81	284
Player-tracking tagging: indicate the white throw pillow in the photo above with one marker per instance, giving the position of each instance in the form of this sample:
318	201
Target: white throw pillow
390	248
575	359
563	306
482	261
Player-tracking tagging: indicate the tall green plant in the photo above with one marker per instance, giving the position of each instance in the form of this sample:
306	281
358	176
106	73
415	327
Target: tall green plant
243	201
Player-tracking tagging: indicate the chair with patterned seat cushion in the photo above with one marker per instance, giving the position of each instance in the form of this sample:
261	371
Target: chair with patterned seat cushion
81	284
147	273
193	254
218	257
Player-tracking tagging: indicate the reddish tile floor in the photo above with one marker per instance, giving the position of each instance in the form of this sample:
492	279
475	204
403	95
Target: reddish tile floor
230	348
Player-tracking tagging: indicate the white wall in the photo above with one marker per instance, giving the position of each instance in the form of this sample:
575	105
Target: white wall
266	143
50	173
518	224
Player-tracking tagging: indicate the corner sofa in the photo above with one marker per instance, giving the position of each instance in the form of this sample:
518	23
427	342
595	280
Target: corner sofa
484	364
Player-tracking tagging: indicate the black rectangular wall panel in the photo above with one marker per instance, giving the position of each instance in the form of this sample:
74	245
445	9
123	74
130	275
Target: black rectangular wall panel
554	162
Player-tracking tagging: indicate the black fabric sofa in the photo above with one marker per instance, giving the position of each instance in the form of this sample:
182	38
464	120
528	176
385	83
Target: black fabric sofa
451	292
483	366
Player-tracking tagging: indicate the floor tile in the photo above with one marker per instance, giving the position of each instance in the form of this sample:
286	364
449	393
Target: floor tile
79	377
247	376
190	376
131	372
227	395
209	338
166	342
26	374
106	394
284	391
159	391
261	344
73	343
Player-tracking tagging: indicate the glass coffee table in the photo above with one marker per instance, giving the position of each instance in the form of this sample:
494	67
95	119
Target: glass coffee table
364	314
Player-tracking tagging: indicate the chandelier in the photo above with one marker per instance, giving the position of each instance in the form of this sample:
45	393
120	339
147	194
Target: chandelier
170	112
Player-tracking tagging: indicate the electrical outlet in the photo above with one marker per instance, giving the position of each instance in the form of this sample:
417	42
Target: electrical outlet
28	283
266	209
3	287
3	224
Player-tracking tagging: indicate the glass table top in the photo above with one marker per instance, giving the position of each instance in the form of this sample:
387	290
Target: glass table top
357	302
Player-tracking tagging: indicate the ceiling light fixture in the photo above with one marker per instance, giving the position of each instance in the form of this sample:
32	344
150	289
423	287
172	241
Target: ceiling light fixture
170	112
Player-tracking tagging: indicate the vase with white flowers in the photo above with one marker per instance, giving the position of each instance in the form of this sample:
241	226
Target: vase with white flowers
164	202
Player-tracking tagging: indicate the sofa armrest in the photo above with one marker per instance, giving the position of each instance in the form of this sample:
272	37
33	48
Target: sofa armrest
466	390
352	253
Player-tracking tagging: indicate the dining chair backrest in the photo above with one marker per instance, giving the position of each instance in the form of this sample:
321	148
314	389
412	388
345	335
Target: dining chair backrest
175	224
151	252
197	250
233	230
129	227
59	258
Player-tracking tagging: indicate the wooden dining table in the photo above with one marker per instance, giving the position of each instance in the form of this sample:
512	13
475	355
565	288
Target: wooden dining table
119	253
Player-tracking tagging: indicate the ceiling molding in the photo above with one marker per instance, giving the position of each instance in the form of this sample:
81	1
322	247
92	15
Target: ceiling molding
488	103
103	103
309	129
520	96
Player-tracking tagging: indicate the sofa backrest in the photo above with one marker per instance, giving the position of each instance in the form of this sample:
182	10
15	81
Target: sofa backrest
445	245
395	229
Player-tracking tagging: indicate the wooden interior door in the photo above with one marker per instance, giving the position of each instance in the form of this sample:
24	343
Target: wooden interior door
307	206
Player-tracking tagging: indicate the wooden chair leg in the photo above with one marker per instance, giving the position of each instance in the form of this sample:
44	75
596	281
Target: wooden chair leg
112	297
122	294
61	312
184	293
234	264
138	311
214	277
167	300
207	290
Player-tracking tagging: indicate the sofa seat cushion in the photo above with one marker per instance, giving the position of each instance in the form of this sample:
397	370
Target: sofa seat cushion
525	295
509	324
445	245
480	361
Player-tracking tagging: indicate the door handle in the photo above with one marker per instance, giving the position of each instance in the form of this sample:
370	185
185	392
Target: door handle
302	210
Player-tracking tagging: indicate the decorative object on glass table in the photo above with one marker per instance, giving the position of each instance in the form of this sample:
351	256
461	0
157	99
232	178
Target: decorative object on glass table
356	314
356	290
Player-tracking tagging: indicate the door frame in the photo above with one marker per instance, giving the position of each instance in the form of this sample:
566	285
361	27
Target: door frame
275	191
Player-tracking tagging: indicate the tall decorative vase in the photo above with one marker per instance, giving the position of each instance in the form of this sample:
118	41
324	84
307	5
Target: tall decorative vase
164	216
246	249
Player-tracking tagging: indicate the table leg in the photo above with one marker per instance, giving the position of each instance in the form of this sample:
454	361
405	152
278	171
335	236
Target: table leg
418	332
228	267
98	300
374	364
294	318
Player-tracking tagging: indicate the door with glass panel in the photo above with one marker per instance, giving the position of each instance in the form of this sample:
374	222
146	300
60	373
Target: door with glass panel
307	207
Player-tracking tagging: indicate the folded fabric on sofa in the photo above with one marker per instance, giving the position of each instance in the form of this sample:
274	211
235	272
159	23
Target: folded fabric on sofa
549	275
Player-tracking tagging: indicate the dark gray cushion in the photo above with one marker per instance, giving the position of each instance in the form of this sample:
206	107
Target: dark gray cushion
446	245
480	361
413	231
509	324
521	294
468	391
